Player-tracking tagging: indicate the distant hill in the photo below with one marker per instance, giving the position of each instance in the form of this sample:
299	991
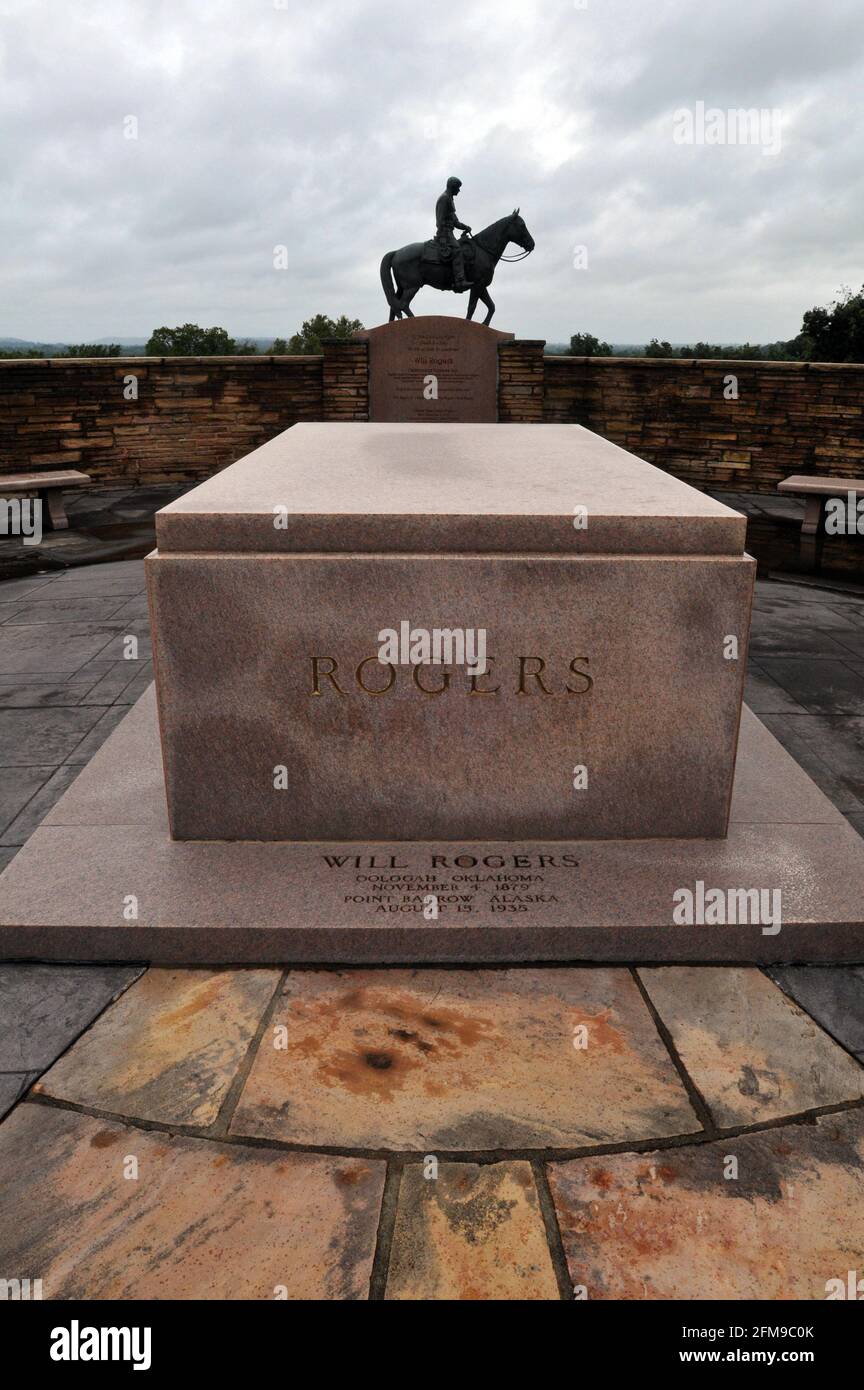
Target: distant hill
132	347
618	349
24	345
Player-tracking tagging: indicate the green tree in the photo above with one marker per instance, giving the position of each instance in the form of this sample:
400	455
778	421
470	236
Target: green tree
586	345
742	352
835	333
658	349
278	347
190	341
93	350
315	330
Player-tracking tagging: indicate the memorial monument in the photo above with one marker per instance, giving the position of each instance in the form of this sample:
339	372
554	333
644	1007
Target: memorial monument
439	369
607	592
463	265
435	688
512	737
433	370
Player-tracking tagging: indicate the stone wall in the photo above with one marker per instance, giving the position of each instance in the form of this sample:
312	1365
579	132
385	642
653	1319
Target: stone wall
345	380
521	381
192	415
789	417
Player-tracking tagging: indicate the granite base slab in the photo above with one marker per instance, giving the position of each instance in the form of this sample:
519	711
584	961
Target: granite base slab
104	850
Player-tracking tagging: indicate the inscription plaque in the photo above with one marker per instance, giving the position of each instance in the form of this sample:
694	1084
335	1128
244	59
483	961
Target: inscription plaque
433	370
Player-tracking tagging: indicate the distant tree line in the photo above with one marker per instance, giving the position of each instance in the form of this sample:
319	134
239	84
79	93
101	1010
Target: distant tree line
832	334
69	350
828	334
190	340
313	333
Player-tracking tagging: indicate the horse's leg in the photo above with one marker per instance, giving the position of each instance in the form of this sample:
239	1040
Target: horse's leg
407	296
401	284
407	280
399	300
472	302
487	300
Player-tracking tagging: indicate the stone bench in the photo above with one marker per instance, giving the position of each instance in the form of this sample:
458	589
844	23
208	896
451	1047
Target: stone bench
817	491
49	487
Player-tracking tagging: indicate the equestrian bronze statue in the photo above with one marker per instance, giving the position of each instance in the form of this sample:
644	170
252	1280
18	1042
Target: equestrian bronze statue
463	264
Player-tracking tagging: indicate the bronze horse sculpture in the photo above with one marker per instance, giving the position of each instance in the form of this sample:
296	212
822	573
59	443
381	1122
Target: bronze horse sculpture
403	272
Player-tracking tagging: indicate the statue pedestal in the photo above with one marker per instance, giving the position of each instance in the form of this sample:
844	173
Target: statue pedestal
433	369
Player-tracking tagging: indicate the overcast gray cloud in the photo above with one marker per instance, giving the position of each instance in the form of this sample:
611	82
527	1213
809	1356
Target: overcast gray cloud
331	126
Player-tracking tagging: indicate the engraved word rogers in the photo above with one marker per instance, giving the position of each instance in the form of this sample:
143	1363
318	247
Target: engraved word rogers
525	675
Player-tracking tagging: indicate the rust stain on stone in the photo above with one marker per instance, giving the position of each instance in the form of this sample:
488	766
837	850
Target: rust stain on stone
449	1025
601	1032
366	1072
665	1172
404	1035
601	1179
104	1139
462	1060
203	998
350	1177
778	1228
389	1039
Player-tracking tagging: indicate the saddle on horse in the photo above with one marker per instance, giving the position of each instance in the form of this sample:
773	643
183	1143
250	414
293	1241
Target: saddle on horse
436	251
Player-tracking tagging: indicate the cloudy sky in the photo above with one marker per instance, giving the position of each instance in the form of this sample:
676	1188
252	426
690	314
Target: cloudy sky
330	126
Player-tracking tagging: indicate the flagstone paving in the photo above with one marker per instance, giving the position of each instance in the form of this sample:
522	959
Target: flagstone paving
461	1059
833	995
104	1211
43	1008
455	1228
239	1215
752	1054
470	1233
67	676
169	1049
283	1123
12	1085
763	1216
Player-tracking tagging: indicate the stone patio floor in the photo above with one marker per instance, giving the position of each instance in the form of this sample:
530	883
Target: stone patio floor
524	1133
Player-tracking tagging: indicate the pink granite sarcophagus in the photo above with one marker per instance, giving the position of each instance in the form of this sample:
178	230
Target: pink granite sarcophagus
611	602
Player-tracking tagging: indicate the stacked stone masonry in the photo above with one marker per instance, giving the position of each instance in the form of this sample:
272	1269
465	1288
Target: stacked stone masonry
520	381
741	426
192	416
149	420
346	381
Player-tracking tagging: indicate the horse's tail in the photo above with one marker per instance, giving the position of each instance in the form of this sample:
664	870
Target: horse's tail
387	282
